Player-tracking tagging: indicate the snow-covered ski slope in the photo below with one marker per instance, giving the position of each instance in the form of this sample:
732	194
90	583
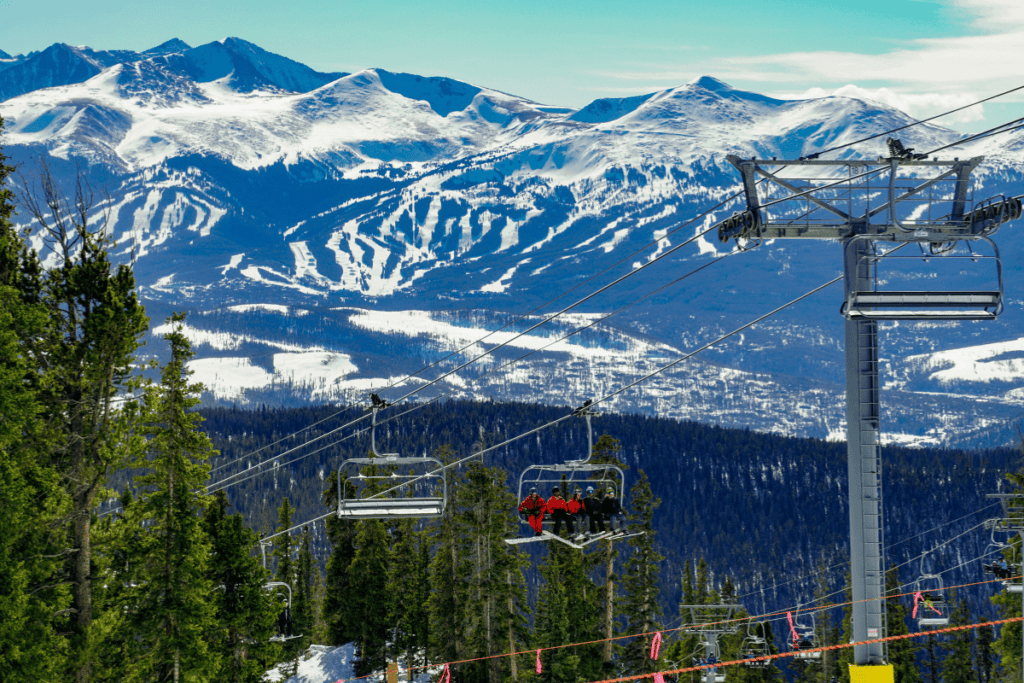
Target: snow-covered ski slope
240	178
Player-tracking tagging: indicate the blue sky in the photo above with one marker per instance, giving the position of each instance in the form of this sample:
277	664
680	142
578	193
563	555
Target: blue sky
924	56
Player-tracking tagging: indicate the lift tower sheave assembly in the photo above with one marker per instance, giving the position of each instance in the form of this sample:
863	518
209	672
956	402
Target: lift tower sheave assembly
864	204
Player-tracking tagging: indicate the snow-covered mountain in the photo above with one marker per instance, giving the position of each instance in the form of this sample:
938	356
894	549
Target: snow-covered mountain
243	179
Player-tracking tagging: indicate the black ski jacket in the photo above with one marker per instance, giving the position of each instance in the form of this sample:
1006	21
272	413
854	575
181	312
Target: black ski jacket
610	506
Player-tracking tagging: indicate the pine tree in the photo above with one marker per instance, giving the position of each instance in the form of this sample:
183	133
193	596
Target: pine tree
305	577
448	570
30	495
284	547
341	533
932	659
484	514
640	580
984	663
169	612
551	626
956	666
407	611
96	323
246	613
366	606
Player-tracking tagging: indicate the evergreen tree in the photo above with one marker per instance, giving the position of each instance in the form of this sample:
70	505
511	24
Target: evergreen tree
484	514
551	626
341	533
448	570
984	662
30	495
1008	644
169	612
284	547
956	665
902	653
932	659
96	323
639	604
405	588
246	614
366	606
305	577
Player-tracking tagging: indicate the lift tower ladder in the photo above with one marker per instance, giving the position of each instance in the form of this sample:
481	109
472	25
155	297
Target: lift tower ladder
862	203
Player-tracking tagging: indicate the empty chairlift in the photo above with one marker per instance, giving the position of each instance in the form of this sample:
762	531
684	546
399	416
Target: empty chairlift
975	304
418	484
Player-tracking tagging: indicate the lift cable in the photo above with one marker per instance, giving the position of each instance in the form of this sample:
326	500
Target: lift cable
698	627
639	251
506	325
595	402
915	123
424	404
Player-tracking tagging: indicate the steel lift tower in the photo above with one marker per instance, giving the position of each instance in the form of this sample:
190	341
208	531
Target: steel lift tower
873	207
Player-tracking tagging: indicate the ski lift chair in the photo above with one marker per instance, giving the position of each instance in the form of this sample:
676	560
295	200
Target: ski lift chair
927	305
930	601
284	619
804	636
754	647
995	568
360	506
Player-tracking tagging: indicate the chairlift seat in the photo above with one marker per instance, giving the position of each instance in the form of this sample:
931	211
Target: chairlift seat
411	507
1013	587
985	305
933	621
384	508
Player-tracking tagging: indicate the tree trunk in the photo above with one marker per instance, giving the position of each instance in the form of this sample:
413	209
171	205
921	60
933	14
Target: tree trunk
83	583
609	608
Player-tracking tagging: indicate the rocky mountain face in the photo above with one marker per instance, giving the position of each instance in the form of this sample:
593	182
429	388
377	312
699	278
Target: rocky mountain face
331	233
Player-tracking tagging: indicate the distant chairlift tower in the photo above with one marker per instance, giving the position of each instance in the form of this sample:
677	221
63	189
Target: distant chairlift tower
864	204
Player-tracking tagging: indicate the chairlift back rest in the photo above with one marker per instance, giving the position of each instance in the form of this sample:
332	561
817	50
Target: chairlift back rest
374	508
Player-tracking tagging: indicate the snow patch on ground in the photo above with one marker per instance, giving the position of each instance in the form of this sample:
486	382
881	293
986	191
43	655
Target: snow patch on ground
326	664
975	363
229	378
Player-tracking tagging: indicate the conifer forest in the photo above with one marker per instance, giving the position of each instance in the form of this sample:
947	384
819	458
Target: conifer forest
148	538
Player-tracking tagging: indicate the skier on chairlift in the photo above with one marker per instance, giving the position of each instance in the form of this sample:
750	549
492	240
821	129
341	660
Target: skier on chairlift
612	510
559	511
592	504
577	510
532	510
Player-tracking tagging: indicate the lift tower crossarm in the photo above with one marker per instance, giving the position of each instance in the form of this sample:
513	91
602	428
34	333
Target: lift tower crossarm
851	211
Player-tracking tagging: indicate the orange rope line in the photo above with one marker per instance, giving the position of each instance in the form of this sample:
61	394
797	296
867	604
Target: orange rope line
698	627
797	653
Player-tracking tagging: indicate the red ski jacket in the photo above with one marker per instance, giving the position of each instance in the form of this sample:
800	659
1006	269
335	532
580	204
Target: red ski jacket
532	505
555	504
574	506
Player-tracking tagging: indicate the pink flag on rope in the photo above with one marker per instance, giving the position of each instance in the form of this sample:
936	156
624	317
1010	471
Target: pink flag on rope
658	678
446	675
918	598
538	661
792	629
656	647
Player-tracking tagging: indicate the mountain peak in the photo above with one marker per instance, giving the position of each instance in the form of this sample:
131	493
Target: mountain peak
169	47
4	55
710	83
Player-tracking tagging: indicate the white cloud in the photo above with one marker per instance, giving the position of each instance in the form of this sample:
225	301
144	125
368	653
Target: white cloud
922	76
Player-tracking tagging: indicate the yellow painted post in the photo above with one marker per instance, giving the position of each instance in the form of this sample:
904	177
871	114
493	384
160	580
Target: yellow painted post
871	673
